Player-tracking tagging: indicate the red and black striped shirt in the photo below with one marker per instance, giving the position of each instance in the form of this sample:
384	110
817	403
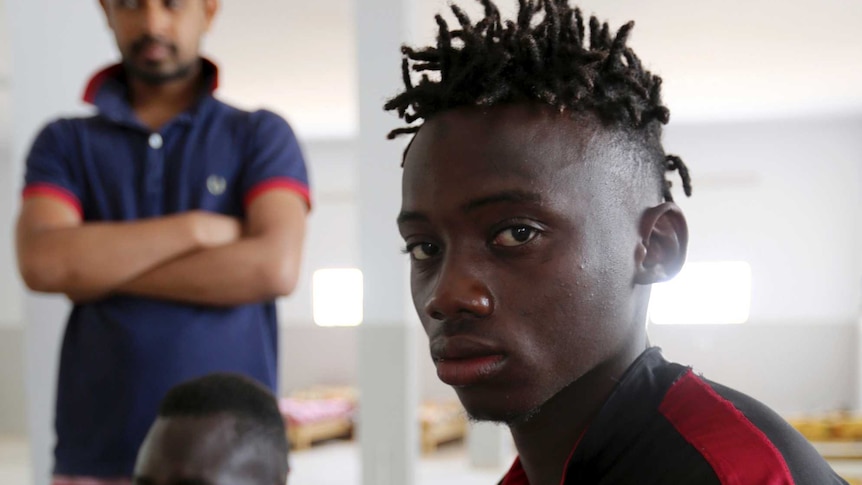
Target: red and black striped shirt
663	424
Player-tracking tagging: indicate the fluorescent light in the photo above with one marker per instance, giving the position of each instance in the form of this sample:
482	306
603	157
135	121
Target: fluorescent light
337	297
717	292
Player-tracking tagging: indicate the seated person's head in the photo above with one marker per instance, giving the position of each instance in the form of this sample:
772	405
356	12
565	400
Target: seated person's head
221	429
535	205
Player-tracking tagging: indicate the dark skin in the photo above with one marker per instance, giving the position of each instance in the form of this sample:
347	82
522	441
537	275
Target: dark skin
159	41
533	242
198	451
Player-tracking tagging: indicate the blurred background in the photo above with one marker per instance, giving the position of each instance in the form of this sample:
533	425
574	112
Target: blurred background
766	109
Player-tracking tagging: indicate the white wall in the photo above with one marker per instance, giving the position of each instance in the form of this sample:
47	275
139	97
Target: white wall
333	229
10	289
795	369
785	196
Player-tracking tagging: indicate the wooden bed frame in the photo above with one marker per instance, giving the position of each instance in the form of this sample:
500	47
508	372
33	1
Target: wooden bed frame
440	421
435	433
301	436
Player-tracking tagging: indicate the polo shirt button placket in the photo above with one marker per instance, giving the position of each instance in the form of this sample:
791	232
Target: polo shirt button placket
155	173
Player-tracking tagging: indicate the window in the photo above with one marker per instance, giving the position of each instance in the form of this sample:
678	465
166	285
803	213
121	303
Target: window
717	292
336	297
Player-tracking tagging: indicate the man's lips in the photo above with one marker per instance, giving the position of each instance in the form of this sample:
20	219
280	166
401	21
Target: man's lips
155	52
153	49
463	362
467	372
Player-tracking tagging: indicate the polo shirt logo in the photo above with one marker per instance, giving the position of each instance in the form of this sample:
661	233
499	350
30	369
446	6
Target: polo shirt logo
216	184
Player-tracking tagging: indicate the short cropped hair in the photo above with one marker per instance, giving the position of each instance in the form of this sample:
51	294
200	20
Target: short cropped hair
258	419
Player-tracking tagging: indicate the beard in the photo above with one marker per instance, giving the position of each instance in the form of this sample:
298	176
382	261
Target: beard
151	72
508	419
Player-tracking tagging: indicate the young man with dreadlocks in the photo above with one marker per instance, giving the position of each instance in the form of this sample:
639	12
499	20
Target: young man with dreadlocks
536	214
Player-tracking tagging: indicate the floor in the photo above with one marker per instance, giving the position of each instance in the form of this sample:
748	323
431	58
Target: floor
331	463
14	461
337	463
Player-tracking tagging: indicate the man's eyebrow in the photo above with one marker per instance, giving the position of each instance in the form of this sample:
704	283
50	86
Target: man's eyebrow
507	196
410	216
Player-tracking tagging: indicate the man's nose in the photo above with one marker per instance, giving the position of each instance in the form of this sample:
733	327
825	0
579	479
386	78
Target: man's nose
156	18
460	291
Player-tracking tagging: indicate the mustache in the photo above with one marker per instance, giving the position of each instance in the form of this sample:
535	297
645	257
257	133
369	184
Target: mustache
149	40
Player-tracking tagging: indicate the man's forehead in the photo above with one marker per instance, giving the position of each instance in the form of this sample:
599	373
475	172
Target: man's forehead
513	145
504	136
187	448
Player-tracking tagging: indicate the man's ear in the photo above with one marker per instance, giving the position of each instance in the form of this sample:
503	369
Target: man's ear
663	244
211	8
104	5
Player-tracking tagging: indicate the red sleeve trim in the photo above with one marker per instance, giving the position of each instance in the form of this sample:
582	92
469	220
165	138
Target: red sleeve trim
55	192
739	452
278	183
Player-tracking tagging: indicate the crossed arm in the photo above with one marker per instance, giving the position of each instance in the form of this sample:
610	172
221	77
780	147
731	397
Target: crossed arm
195	257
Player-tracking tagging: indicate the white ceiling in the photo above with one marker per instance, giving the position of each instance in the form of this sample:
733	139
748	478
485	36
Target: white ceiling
728	60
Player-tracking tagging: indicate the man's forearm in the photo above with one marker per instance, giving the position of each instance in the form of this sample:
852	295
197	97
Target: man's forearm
92	259
250	270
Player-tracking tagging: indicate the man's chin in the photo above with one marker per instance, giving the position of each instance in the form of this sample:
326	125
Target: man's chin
155	74
509	417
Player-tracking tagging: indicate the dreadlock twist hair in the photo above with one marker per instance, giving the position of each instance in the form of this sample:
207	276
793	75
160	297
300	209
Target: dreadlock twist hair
555	60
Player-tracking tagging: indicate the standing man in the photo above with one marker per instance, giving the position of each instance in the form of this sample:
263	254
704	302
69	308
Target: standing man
172	221
536	214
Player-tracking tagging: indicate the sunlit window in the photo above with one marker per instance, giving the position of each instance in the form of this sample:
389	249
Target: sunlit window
716	292
337	297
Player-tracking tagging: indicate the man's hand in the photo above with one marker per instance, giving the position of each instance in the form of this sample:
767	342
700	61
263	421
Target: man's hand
213	230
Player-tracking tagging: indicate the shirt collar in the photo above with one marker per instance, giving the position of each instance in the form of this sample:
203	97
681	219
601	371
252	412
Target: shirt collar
108	90
645	361
518	476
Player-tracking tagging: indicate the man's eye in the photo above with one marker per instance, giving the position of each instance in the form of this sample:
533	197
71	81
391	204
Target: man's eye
173	4
422	251
128	4
515	236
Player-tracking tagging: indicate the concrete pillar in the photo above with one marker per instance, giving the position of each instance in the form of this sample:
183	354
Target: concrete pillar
388	426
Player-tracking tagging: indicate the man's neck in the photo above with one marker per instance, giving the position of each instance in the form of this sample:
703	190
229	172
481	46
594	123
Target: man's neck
546	441
156	104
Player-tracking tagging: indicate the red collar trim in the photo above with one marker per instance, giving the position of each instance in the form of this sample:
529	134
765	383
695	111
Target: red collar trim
209	69
518	476
95	84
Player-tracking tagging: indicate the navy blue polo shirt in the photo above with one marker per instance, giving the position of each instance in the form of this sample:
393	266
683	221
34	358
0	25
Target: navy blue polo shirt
120	355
